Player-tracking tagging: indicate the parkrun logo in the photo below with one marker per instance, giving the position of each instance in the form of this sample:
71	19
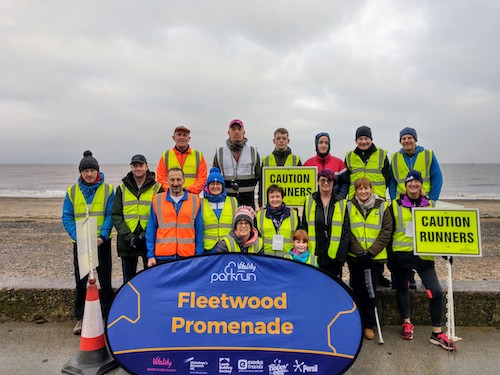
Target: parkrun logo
241	271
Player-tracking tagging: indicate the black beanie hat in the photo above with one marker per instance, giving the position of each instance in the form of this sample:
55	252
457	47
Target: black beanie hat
364	131
88	161
414	175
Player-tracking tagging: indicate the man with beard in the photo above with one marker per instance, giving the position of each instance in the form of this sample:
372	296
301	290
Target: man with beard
239	164
175	226
130	214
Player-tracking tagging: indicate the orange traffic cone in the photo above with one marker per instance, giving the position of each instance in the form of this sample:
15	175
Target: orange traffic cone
94	357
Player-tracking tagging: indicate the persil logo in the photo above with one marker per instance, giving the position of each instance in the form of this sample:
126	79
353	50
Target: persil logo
241	271
277	368
303	368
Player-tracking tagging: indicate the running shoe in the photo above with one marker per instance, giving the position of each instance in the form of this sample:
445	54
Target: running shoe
407	331
442	340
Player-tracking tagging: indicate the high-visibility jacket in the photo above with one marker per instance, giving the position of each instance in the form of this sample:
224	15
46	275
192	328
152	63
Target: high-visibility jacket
175	234
136	210
215	229
242	170
400	241
337	223
312	259
286	229
97	208
270	161
190	167
372	170
367	230
400	169
233	247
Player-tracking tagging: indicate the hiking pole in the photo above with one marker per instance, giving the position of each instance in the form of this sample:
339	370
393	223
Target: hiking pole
371	294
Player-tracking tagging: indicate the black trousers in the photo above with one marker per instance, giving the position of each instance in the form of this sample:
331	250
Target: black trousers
365	304
104	277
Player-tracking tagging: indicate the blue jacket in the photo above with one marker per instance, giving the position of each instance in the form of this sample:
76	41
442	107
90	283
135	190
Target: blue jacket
435	175
153	226
68	214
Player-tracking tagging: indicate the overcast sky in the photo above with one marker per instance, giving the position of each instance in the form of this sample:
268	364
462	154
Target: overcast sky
116	77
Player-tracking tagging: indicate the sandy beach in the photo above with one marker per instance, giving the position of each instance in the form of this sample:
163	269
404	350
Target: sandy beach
34	243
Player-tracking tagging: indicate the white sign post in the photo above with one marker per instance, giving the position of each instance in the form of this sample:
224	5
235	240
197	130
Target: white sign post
86	241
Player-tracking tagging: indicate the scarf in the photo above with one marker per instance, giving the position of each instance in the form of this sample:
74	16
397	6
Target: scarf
214	198
300	257
277	215
367	205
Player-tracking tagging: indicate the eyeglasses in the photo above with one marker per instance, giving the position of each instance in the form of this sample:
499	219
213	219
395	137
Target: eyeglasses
324	181
242	222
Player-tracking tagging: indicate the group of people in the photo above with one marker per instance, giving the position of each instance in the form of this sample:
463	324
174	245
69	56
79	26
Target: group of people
184	210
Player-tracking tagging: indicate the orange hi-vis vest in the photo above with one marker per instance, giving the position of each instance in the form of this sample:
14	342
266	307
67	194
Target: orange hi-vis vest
175	233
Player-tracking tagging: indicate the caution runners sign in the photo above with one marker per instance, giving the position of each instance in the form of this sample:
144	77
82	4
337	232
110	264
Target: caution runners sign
444	232
297	183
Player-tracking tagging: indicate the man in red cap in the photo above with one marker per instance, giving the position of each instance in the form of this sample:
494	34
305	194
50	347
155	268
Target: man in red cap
239	164
190	161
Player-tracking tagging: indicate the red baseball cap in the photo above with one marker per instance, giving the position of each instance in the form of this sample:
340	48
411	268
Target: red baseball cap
182	128
236	122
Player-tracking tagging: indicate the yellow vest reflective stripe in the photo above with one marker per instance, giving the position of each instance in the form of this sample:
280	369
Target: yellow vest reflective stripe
367	230
372	171
400	241
97	208
312	260
286	229
215	229
337	222
270	161
400	169
233	247
190	167
135	210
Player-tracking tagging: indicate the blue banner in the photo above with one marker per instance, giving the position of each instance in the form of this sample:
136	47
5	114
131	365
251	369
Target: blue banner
234	314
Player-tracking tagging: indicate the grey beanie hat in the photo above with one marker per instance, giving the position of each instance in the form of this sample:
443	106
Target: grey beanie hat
409	131
88	161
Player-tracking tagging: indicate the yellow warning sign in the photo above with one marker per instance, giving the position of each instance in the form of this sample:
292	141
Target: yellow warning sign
297	182
446	232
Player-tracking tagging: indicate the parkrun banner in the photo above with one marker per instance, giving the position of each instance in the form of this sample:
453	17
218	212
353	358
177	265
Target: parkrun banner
297	182
446	232
234	314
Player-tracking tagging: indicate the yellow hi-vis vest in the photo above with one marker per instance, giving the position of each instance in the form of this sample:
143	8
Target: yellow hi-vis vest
400	241
270	161
312	260
337	222
97	208
233	247
372	171
136	210
400	170
190	167
367	230
286	229
215	229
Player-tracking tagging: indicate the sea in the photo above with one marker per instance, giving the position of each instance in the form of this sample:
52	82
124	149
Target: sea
461	181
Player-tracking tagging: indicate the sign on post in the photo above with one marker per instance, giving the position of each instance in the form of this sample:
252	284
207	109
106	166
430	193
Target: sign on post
234	313
297	182
86	242
446	232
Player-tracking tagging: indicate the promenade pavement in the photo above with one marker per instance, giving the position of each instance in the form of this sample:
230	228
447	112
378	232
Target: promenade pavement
43	349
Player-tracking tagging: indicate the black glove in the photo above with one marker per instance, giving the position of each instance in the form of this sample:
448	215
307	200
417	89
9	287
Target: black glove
449	260
365	257
137	241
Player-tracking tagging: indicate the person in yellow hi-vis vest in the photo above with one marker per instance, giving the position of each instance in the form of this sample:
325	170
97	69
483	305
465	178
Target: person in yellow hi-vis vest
191	162
217	210
300	251
324	221
130	214
277	222
402	261
91	190
370	222
244	237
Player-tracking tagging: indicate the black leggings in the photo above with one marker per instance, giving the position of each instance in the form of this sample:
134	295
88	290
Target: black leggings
431	282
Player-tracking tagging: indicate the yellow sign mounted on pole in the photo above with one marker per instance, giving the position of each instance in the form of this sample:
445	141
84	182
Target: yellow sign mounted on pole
297	182
446	232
